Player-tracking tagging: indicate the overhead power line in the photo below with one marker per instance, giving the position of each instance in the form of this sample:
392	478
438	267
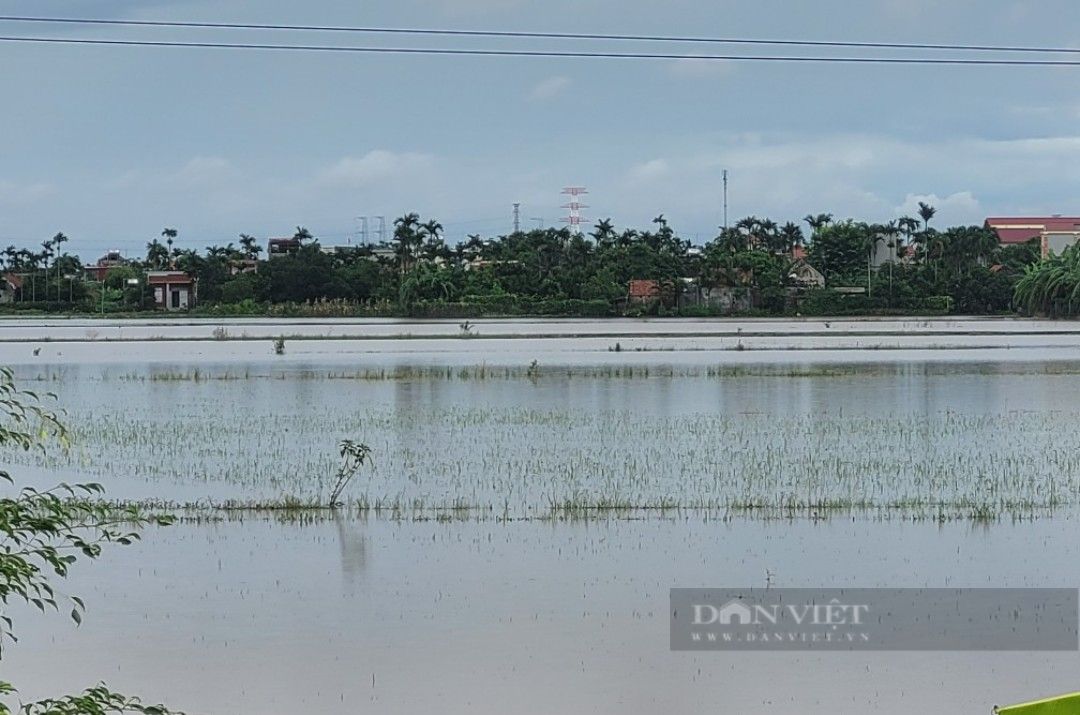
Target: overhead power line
544	35
544	53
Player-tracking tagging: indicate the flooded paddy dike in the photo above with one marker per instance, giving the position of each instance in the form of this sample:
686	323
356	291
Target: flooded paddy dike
538	487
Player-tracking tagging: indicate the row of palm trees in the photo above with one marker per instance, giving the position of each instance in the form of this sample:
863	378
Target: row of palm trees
163	255
415	239
31	263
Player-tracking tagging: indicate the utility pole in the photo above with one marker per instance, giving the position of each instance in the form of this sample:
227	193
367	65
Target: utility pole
382	228
517	217
725	201
363	232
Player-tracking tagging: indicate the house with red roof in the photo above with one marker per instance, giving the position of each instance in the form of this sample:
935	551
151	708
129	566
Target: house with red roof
1055	233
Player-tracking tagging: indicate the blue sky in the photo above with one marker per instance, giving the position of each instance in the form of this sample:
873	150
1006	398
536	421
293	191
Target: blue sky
110	145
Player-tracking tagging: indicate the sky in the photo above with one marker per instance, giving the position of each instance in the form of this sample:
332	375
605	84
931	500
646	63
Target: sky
110	145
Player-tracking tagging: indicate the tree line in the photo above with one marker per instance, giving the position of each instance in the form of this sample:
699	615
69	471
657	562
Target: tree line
906	265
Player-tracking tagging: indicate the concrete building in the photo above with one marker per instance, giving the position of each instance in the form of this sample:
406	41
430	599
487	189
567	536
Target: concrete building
99	270
277	247
173	290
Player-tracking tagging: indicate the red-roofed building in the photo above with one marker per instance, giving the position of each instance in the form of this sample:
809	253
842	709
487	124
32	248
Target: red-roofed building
1055	233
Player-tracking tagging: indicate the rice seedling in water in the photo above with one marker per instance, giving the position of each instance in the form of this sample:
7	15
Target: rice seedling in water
484	445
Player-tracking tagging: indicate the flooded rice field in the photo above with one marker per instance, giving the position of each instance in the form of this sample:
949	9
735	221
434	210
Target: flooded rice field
533	499
347	616
94	339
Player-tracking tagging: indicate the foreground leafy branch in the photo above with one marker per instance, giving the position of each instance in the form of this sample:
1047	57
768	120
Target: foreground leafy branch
95	701
43	533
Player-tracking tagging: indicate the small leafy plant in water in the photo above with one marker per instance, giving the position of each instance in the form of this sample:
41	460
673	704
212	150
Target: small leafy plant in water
354	455
279	345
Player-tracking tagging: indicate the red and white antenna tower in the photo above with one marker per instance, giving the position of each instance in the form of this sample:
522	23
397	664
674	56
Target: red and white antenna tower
575	218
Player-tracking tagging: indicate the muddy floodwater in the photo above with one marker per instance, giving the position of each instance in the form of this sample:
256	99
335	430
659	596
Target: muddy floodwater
538	487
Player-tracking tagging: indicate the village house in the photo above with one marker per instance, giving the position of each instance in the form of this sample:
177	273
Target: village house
1054	233
643	292
101	269
10	287
173	290
238	266
804	275
478	263
277	247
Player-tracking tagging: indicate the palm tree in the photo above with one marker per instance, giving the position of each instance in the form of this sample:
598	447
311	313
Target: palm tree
432	228
47	251
250	246
35	260
926	212
434	247
792	235
432	244
157	256
301	235
818	222
873	238
407	237
11	258
217	252
891	234
169	234
909	227
58	239
604	232
472	248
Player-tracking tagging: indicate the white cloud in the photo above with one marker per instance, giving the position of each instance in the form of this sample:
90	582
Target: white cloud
870	177
649	171
12	194
376	166
205	169
549	88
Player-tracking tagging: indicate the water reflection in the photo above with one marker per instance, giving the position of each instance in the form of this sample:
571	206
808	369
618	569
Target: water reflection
353	545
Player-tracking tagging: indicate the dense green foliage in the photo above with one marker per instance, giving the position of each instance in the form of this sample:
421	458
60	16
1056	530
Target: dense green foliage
903	266
1052	287
42	534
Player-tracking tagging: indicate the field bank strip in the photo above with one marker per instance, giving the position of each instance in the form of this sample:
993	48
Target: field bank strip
549	336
